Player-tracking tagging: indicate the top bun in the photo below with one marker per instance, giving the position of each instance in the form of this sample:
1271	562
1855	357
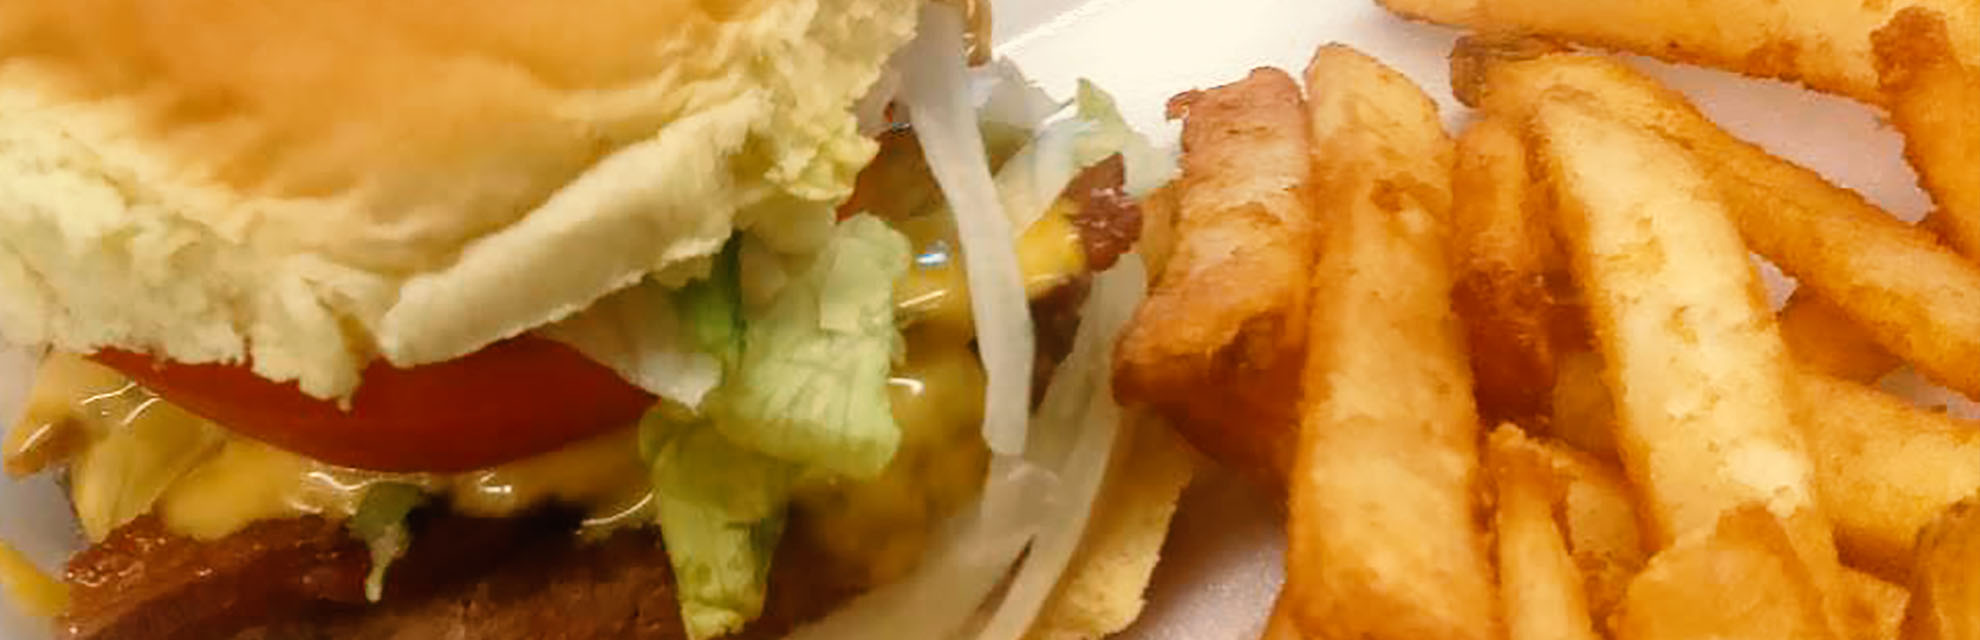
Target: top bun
310	185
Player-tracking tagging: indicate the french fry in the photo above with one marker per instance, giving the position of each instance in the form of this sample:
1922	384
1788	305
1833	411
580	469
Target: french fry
1885	468
1934	100
1217	345
1281	625
1915	296
1875	606
1824	44
1158	229
1945	588
1823	339
1583	413
1691	351
1384	538
1598	515
1739	579
1503	253
1540	588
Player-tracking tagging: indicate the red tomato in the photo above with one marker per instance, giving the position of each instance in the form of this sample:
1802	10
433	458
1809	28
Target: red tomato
508	401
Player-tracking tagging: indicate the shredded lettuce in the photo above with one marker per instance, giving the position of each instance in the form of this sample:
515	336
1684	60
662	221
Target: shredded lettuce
1147	166
810	386
711	308
804	393
380	521
721	509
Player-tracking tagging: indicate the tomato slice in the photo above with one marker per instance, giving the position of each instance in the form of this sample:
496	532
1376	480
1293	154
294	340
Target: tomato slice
511	400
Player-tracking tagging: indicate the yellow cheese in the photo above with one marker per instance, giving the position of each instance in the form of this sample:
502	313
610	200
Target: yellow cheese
36	593
132	453
140	454
49	431
935	291
877	528
248	481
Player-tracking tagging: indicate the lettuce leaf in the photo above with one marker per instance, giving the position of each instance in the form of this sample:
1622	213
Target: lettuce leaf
380	522
721	509
810	387
711	308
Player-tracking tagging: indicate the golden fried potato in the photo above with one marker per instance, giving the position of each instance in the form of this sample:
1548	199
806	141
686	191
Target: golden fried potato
1384	539
1945	587
1217	345
1281	625
1739	579
1822	338
1935	101
1583	412
1598	514
1503	252
1875	607
1158	229
1541	589
1699	370
1885	468
1824	44
1915	296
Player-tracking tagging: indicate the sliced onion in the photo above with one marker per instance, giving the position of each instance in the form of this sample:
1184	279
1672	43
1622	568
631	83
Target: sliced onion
935	89
1032	180
1004	95
964	564
1077	428
1041	500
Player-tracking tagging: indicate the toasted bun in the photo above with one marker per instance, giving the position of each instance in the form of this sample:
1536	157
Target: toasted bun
310	185
1106	585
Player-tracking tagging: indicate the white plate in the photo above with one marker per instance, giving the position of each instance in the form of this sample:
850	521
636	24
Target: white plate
1222	567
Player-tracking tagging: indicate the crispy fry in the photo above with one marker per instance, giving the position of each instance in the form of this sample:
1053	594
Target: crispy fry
1945	589
1824	44
1700	371
1915	296
1583	413
1158	229
1875	606
1217	344
1281	625
1823	339
1503	253
1540	587
1600	520
1935	101
1739	579
1384	539
1886	468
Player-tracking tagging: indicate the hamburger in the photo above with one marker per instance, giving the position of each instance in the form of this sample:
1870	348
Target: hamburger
571	320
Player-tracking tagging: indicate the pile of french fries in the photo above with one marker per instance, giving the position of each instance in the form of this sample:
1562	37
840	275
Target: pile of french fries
1526	383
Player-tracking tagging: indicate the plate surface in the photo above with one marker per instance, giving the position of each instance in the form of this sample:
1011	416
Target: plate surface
1222	565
